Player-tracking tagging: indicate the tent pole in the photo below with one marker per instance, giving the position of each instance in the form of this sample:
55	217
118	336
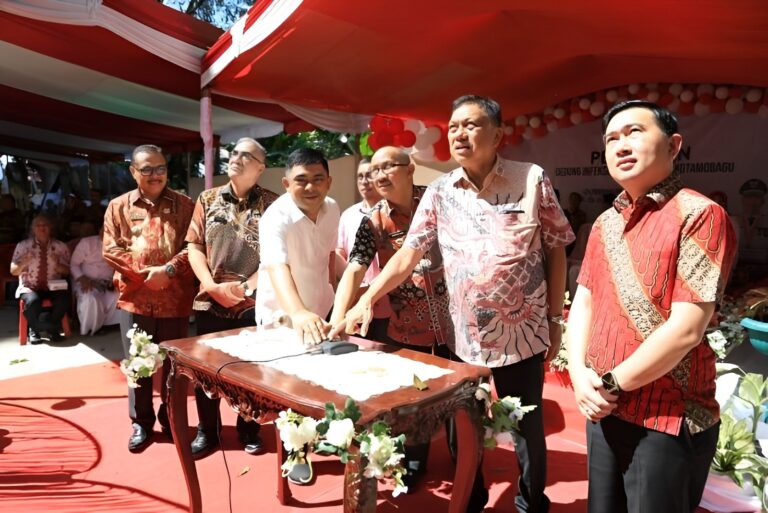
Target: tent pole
206	132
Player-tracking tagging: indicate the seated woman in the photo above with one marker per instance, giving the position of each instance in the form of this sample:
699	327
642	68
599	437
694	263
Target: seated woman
92	281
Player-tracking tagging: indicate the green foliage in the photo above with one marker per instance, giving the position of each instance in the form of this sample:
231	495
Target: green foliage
221	13
333	145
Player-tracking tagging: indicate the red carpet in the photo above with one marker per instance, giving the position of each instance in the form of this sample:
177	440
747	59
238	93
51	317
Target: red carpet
63	439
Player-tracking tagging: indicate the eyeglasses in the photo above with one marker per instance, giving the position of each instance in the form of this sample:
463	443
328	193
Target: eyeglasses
246	156
158	170
386	168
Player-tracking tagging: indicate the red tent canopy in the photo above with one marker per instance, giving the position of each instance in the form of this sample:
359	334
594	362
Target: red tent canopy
410	59
93	79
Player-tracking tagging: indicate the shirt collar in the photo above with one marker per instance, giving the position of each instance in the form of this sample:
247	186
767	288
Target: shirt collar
459	178
660	193
230	195
297	215
135	196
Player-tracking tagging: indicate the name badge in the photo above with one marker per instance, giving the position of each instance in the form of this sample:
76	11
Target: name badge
138	216
166	210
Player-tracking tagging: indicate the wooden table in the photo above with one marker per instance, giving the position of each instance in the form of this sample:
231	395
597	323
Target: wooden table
253	390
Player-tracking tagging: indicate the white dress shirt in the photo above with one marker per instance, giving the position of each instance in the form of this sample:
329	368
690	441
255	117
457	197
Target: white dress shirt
287	236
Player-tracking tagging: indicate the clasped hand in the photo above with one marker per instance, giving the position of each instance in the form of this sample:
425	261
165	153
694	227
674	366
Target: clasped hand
593	400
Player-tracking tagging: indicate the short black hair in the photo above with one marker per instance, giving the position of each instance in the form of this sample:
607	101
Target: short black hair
666	120
145	148
306	157
490	106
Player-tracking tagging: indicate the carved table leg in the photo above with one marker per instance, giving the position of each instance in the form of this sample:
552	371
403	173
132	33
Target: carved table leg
283	489
359	491
468	435
177	413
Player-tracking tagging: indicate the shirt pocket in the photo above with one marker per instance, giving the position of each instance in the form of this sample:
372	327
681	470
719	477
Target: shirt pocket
514	235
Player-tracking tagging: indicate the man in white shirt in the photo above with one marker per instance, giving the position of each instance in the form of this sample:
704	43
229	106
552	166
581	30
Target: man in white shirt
297	240
348	226
92	280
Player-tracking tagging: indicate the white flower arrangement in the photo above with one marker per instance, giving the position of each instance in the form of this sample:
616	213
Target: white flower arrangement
729	333
502	417
303	435
145	357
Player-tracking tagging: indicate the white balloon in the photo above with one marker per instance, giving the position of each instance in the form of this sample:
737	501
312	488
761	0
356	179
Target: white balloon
575	118
432	134
675	89
528	134
415	126
612	95
559	113
705	89
425	155
584	103
754	95
734	105
535	122
686	95
763	111
597	109
633	88
521	120
508	130
721	93
552	126
701	109
653	96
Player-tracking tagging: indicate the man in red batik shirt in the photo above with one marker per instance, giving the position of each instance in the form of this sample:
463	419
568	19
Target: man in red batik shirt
655	267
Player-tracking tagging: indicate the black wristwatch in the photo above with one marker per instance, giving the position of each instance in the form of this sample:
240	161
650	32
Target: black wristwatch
610	384
170	270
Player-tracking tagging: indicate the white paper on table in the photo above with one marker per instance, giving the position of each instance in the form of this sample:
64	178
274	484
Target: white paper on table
359	375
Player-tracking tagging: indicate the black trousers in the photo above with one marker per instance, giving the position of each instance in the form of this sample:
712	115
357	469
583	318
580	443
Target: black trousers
525	379
208	409
33	307
633	469
140	406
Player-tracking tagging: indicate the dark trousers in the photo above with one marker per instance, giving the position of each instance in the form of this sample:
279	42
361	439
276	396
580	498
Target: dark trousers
140	406
33	308
525	379
208	409
633	469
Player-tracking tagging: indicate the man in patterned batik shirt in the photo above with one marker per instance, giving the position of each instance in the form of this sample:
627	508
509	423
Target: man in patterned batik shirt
144	233
418	316
655	267
502	236
223	244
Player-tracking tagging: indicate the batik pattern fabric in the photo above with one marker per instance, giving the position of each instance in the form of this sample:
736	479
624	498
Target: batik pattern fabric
670	245
493	242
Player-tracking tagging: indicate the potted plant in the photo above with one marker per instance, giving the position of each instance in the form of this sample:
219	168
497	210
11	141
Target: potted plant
737	480
756	318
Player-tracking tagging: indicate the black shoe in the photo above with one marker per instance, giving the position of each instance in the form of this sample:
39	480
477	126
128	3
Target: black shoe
202	445
140	438
57	337
36	338
252	443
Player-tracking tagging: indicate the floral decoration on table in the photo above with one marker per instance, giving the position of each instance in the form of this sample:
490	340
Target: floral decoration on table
381	452
145	357
502	416
739	453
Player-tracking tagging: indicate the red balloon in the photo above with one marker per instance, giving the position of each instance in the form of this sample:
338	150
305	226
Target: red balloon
717	105
752	107
442	152
386	139
705	98
685	108
395	126
735	92
407	138
666	99
540	131
378	124
373	141
586	117
564	122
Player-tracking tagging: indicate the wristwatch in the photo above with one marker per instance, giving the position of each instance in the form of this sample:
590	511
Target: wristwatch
556	319
247	291
610	384
170	270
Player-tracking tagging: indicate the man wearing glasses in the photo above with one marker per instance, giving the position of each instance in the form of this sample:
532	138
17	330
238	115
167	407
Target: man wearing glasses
144	232
223	241
348	225
419	302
